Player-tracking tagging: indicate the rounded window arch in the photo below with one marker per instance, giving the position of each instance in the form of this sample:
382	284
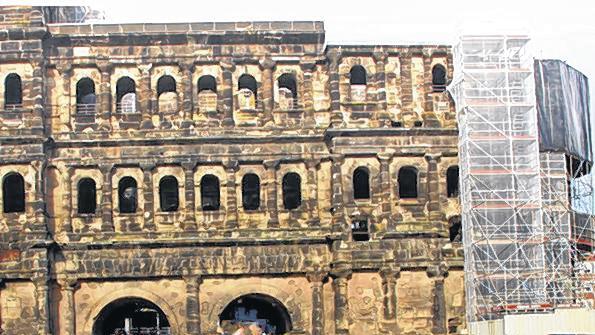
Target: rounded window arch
210	195
86	196
141	316
287	81
452	181
13	91
407	180
438	78
13	193
207	83
292	190
166	84
361	183
357	75
246	81
169	200
127	195
126	95
251	192
85	95
266	313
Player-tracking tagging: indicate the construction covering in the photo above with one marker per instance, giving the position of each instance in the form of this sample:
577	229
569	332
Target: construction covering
563	109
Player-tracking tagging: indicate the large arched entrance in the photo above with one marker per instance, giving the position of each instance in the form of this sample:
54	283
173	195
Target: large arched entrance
131	316
255	314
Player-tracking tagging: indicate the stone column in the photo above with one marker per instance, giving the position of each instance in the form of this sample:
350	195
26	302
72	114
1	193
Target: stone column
268	83
186	88
227	93
312	187
406	88
105	95
385	190
307	97
340	288
67	199
383	115
190	206
317	280
271	188
65	107
41	298
231	167
149	208
68	287
146	96
193	304
437	273
337	196
433	188
336	115
389	277
107	220
36	93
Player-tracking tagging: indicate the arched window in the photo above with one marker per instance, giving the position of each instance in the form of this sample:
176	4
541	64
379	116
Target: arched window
166	84
452	181
357	75
361	183
126	95
87	199
127	195
407	182
250	192
207	83
13	193
168	194
287	81
85	96
246	81
438	78
292	190
209	193
13	91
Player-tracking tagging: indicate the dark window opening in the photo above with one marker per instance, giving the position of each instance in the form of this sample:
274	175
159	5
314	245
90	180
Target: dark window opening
438	78
287	81
210	193
87	196
455	233
127	195
165	84
357	75
407	183
452	182
418	123
396	124
85	96
292	190
168	194
13	91
126	95
207	83
361	183
247	81
13	193
131	316
360	231
255	314
250	192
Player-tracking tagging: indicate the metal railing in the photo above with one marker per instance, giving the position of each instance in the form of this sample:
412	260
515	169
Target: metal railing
86	109
289	105
143	331
126	107
10	107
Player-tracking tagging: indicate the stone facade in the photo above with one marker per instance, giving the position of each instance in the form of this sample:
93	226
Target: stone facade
336	262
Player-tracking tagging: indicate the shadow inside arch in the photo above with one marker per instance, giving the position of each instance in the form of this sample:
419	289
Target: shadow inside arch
257	313
131	316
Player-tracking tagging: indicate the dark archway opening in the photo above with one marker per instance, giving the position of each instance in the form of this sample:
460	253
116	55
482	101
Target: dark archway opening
361	183
455	233
13	193
452	182
292	190
287	81
128	316
256	312
250	192
207	83
209	193
13	91
87	198
247	81
438	78
357	75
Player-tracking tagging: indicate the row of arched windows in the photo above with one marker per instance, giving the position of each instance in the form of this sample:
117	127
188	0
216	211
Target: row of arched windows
13	191
358	76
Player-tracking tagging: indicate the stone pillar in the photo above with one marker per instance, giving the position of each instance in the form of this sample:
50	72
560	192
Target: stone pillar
186	89
336	115
149	209
340	288
231	167
389	277
105	95
146	96
312	165
268	83
193	304
317	280
227	93
107	207
337	195
271	188
190	206
437	273
67	199
308	94
41	299
67	288
429	115
385	190
36	92
383	115
433	188
406	88
65	107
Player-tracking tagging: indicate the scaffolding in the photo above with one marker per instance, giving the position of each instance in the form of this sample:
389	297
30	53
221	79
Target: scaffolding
516	212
